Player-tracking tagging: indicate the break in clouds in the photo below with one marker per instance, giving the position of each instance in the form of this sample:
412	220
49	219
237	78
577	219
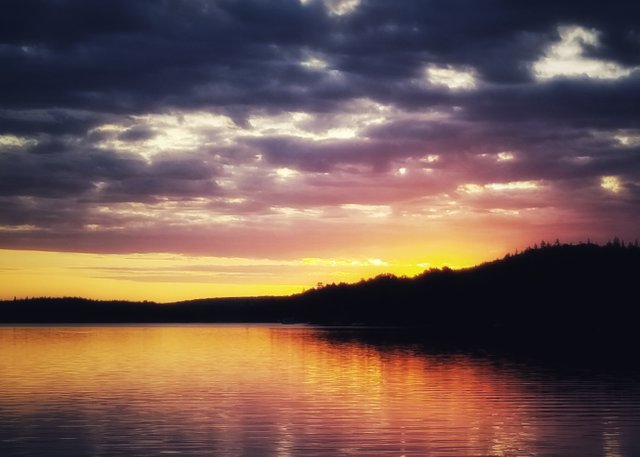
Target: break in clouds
220	127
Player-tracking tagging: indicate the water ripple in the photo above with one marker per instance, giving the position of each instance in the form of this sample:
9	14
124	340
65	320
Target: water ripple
288	391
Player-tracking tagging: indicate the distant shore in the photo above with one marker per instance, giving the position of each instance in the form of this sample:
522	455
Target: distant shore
577	295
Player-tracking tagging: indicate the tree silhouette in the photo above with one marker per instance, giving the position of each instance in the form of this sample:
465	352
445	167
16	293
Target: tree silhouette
574	294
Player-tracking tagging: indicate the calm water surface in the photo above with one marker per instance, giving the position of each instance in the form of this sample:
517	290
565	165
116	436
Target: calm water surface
291	391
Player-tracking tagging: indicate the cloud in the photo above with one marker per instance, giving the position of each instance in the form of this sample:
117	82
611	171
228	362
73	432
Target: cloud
452	78
611	184
153	122
566	58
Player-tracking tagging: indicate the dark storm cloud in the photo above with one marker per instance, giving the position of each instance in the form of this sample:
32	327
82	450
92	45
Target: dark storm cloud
52	121
498	37
124	56
66	171
71	66
136	56
587	103
324	156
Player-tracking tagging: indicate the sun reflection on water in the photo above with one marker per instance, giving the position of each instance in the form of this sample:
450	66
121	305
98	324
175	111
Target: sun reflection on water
235	390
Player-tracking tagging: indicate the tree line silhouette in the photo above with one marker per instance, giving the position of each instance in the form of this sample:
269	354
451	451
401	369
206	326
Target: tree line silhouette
573	293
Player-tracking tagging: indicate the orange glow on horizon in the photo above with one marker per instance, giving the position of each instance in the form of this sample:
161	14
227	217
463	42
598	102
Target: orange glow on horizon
165	277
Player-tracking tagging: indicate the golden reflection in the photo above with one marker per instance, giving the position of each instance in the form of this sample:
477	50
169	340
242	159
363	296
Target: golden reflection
611	437
287	385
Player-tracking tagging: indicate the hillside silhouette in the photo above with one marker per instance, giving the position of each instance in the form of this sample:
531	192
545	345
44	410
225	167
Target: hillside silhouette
556	292
578	297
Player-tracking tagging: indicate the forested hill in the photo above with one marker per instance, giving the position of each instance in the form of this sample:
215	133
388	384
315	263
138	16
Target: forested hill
554	288
582	291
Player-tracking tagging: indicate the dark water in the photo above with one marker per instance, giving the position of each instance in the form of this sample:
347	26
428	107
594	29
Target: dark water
286	391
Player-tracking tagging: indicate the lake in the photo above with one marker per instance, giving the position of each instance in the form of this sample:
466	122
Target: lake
260	390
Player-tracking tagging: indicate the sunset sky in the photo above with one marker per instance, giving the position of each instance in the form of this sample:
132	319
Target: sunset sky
179	149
